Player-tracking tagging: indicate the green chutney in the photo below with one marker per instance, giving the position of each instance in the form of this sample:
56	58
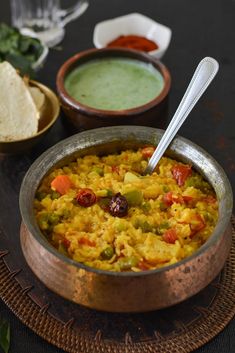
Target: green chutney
114	83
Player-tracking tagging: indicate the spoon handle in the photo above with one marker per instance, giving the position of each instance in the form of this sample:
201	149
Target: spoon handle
204	74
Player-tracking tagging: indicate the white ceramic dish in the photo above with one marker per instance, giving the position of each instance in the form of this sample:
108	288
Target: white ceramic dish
134	23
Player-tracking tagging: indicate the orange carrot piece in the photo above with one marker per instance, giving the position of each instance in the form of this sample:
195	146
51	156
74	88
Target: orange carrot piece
62	184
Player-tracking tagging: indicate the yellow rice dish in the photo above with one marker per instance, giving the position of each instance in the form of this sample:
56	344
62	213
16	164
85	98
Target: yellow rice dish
101	211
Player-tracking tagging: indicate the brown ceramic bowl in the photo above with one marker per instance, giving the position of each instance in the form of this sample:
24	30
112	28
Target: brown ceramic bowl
127	291
85	117
48	115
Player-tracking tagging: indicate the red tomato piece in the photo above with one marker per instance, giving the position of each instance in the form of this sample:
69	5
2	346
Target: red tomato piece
147	151
62	184
169	198
115	169
187	198
181	173
197	224
66	243
142	266
170	236
86	197
86	241
209	199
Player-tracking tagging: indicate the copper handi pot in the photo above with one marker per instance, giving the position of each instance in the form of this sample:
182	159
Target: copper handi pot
128	291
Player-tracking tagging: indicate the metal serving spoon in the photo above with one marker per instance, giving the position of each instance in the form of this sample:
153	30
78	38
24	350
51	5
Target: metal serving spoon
204	74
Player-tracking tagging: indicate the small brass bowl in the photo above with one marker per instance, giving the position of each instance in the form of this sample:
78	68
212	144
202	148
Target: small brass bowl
48	116
82	116
125	291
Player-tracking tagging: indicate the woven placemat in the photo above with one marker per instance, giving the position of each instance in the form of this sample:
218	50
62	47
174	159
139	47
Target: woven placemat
163	331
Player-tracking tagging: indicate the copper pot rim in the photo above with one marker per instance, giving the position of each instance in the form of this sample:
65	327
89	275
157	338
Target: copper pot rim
32	227
94	53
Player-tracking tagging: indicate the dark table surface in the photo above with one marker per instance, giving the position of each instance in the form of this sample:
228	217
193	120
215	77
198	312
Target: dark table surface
199	28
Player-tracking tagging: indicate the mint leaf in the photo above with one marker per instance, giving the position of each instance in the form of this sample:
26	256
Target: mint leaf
21	63
5	335
20	50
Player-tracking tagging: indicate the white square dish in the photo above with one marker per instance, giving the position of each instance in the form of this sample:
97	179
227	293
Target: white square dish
135	24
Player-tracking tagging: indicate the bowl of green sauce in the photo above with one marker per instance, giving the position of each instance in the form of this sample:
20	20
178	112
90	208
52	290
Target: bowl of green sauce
113	86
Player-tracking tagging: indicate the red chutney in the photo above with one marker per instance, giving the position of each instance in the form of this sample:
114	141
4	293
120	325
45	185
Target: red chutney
134	42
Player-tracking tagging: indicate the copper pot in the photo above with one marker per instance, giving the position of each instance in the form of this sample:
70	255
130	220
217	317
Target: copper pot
124	292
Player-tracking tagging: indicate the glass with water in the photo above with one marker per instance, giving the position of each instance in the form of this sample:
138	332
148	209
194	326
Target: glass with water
46	18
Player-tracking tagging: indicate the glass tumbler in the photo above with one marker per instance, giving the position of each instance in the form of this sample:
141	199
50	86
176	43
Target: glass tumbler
45	18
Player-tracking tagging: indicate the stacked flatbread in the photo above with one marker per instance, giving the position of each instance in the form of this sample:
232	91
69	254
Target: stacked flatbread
19	114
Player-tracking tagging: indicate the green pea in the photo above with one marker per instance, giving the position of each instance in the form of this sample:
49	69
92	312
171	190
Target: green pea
109	193
197	182
146	227
98	170
126	263
53	219
208	217
107	253
161	228
55	195
119	225
146	207
43	221
192	181
47	221
143	225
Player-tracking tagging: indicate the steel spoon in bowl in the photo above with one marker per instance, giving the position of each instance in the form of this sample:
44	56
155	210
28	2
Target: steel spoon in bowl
204	74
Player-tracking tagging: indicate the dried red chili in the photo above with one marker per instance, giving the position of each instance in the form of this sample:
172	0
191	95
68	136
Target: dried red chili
134	42
86	197
118	205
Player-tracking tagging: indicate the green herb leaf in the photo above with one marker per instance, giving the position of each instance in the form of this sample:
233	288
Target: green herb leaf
5	335
6	31
21	63
20	50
